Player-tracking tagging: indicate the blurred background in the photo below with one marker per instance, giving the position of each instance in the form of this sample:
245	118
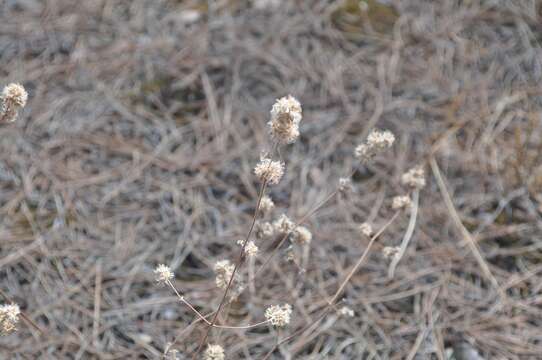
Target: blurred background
145	119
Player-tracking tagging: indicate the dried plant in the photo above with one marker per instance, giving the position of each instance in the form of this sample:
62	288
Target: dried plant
284	129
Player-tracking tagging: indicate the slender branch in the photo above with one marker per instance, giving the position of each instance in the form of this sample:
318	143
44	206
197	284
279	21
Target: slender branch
408	234
237	265
203	318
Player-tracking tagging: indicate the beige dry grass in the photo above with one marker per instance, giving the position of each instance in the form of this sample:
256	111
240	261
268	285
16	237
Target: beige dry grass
144	122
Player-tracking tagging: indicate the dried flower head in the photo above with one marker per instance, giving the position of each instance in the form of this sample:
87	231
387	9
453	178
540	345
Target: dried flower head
269	170
163	274
366	229
9	317
302	235
285	118
266	204
264	230
345	185
401	202
223	271
414	178
16	94
279	315
376	142
283	225
346	311
214	352
250	249
391	252
14	97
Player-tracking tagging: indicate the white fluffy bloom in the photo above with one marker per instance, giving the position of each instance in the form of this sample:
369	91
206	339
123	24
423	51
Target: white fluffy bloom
9	317
266	204
16	94
366	229
414	178
14	97
401	202
302	235
376	142
223	271
251	249
283	225
264	230
279	315
346	311
214	352
285	118
163	274
269	170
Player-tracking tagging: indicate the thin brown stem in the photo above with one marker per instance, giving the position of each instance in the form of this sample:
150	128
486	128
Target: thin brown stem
203	318
237	265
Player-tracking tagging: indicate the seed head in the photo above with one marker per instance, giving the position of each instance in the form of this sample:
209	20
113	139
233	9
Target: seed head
266	204
9	317
302	235
269	170
285	118
401	202
283	225
214	352
15	94
376	141
223	271
366	229
251	249
415	178
346	311
264	230
163	274
279	315
14	97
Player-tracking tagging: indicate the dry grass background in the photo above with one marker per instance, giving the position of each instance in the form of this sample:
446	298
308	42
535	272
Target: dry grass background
138	142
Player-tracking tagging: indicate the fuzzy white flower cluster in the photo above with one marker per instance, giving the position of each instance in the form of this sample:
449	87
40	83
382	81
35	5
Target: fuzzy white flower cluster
9	317
401	202
279	315
223	271
286	115
302	235
264	230
346	311
283	225
269	171
376	142
266	205
414	178
163	274
366	229
14	97
214	352
251	249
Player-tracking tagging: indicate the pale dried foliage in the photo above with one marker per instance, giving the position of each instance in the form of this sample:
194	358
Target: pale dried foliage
137	146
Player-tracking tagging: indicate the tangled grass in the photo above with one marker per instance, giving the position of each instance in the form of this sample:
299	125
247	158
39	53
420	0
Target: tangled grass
137	146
